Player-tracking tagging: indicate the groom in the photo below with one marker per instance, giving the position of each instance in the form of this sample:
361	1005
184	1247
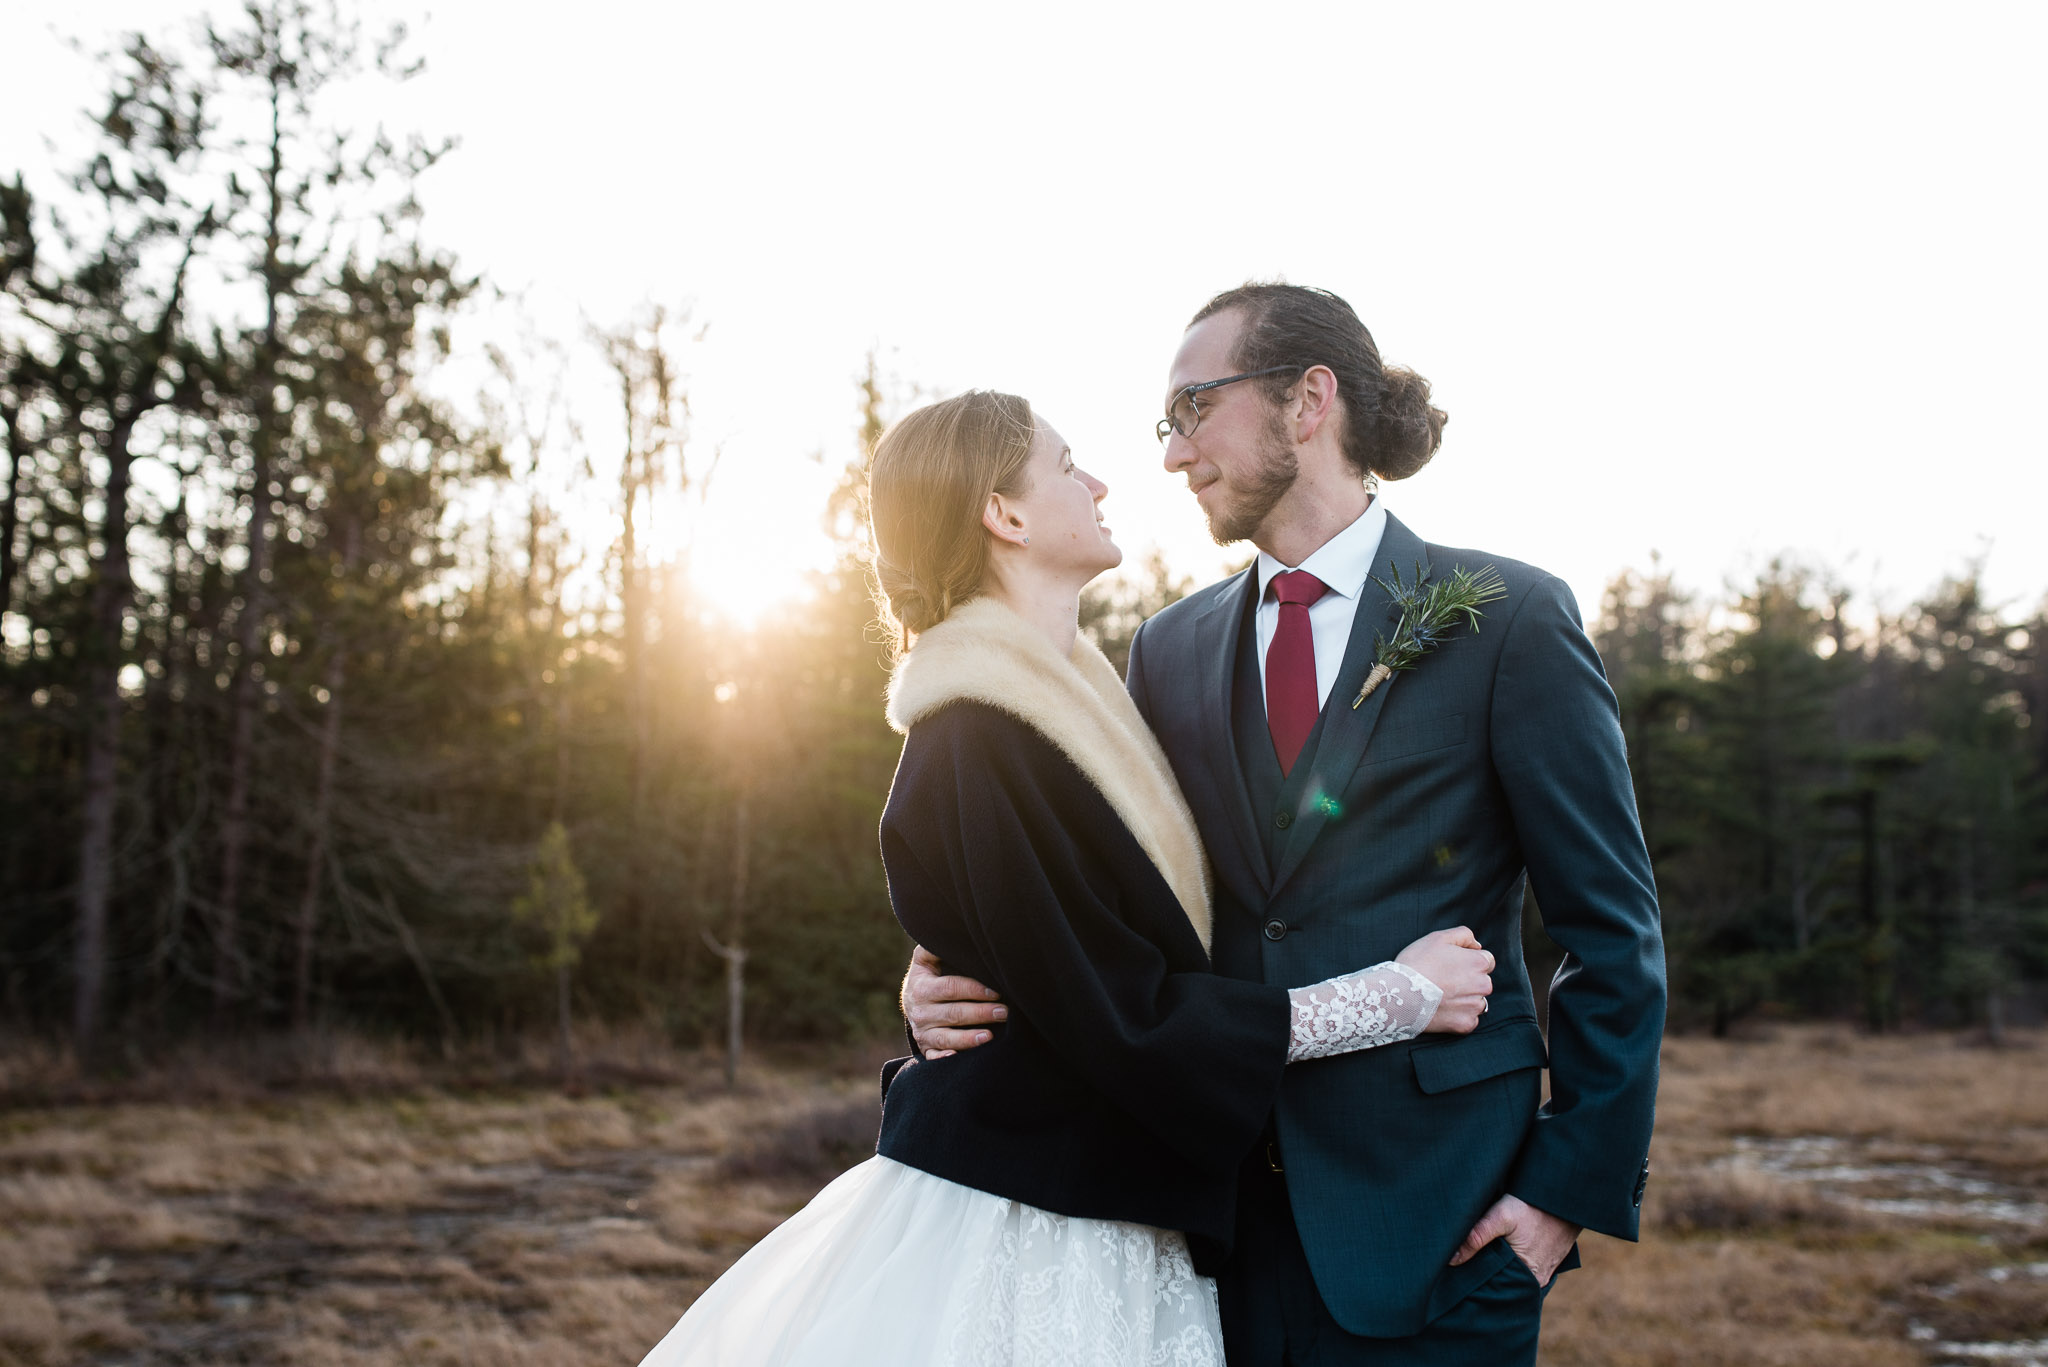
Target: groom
1408	1204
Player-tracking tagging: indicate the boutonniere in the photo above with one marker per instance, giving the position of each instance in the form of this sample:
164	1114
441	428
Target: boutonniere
1428	612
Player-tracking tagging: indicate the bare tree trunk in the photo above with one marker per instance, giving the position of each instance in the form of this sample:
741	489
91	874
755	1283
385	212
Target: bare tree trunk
559	802
316	857
1866	896
529	587
323	799
1973	927
234	826
10	511
735	952
166	732
735	976
1802	931
411	945
699	898
632	600
735	957
647	390
113	588
111	591
735	1012
249	636
568	1041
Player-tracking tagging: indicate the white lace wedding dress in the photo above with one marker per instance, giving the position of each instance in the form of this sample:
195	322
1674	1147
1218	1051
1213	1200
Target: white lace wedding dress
894	1267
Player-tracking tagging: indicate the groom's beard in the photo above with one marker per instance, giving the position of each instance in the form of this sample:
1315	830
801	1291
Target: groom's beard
1241	516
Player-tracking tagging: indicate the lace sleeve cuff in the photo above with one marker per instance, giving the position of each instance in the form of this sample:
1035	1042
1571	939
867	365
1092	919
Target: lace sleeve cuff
1384	1004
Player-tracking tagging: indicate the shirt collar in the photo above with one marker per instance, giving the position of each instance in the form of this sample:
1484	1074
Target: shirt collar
1342	562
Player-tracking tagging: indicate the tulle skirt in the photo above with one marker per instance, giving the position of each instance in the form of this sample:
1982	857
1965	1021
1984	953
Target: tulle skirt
891	1265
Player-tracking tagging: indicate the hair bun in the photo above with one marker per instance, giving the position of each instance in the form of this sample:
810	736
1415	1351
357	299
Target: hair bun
1390	428
1409	428
910	602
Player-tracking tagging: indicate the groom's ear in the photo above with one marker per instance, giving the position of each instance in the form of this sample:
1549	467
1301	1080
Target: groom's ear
1314	402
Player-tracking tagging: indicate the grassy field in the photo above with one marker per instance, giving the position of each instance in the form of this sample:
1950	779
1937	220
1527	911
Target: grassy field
1816	1197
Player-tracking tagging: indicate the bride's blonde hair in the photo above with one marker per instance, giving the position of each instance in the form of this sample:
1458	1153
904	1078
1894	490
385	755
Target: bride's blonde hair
932	475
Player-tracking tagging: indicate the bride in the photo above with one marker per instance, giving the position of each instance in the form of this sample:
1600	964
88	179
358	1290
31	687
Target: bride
1050	1197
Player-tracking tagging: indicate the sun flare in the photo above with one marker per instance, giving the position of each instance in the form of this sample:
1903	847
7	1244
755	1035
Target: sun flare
752	549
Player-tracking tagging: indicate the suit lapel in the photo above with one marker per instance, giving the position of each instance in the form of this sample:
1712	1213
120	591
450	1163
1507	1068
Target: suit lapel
1226	804
1347	731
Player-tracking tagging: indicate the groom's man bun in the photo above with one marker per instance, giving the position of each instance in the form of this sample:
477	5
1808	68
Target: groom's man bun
1390	427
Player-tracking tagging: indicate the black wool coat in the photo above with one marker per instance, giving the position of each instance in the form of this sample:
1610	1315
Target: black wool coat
1129	1081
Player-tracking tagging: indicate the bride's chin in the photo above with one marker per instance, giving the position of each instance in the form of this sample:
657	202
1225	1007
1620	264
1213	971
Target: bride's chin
1105	565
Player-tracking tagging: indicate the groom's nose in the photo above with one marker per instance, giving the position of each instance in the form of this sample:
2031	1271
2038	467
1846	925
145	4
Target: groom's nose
1179	453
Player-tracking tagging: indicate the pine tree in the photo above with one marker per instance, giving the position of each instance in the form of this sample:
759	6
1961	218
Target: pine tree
556	909
106	356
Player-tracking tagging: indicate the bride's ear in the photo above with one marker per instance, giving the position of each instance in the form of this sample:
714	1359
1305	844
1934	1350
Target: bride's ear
999	516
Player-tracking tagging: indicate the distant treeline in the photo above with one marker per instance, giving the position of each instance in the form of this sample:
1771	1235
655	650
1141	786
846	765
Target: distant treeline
292	736
1845	819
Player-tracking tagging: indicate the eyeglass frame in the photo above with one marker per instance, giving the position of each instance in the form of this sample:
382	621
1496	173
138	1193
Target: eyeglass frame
1167	426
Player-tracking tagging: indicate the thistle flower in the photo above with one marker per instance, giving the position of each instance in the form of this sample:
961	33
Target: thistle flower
1429	612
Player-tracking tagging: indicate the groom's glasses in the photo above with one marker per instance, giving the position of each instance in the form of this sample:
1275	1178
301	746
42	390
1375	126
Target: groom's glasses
1184	414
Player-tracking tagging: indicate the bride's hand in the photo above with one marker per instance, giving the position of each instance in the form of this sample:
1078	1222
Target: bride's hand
1454	961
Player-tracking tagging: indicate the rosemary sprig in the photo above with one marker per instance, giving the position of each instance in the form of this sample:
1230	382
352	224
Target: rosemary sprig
1428	613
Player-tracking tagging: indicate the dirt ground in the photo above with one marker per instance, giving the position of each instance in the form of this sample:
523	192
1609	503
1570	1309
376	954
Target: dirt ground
1816	1197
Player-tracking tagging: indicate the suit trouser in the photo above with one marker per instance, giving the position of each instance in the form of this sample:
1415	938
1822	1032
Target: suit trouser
1273	1316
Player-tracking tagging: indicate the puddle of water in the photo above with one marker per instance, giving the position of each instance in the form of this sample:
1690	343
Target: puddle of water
1922	1184
1912	1183
2006	1274
2034	1354
2028	1353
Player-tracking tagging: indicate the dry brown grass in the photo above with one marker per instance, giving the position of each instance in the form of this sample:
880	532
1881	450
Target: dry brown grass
1738	1266
424	1225
1989	1106
411	1216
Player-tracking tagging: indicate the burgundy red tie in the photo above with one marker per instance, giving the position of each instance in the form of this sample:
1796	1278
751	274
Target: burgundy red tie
1291	702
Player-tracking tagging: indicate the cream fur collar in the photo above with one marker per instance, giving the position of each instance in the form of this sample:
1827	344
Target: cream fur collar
984	652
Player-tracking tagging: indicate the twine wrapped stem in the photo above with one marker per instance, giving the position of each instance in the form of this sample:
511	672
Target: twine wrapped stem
1429	610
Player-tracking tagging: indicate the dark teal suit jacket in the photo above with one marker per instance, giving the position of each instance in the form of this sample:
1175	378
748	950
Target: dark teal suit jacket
1499	758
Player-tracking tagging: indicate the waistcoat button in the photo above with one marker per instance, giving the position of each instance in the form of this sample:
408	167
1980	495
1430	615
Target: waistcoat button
1276	930
1283	820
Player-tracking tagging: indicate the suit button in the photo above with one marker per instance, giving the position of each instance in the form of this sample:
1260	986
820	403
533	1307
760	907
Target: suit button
1283	820
1276	930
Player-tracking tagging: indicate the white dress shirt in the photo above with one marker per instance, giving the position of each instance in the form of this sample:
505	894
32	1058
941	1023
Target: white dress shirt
1343	564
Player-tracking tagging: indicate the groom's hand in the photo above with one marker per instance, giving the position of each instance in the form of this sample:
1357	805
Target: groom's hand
943	1011
1538	1238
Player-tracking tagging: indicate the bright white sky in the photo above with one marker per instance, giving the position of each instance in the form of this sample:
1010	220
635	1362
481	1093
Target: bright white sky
1722	281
